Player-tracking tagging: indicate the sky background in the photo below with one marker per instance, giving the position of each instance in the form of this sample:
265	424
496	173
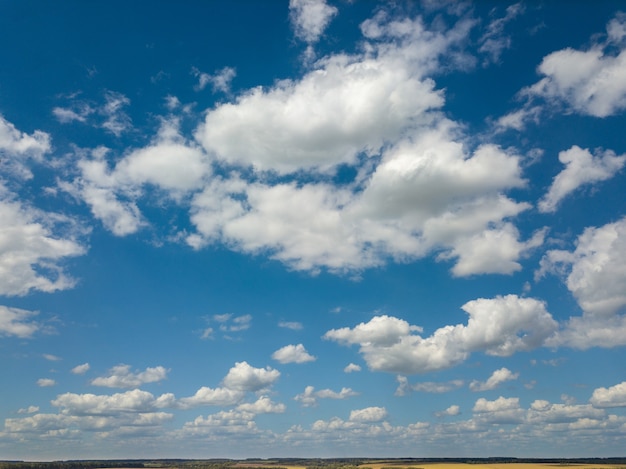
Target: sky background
314	229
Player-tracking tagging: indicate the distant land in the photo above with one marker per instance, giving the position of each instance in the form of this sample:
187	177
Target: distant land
322	463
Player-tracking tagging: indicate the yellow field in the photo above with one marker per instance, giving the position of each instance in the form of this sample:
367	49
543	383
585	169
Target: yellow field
489	466
401	465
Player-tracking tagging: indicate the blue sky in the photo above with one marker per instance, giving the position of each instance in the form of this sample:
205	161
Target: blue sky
309	228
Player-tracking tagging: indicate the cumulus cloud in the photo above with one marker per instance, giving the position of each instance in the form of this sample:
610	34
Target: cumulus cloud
81	369
17	147
498	377
588	81
31	253
369	414
244	377
581	168
93	404
121	376
263	405
502	410
499	326
18	323
310	396
293	354
427	193
615	396
352	368
449	412
168	163
241	379
595	274
310	18
46	382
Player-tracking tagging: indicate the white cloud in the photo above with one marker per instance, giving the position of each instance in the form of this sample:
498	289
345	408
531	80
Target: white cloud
293	325
206	396
18	323
493	42
293	354
79	112
116	120
220	80
595	273
591	81
92	404
581	168
449	412
31	254
46	382
498	377
615	396
29	410
17	146
351	368
310	396
52	358
502	410
369	414
168	163
348	105
81	369
310	18
121	376
404	387
244	377
241	379
500	326
263	405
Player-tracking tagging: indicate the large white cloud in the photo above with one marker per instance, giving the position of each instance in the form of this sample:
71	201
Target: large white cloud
498	326
591	81
121	376
581	167
595	273
428	192
31	254
347	105
615	396
240	379
168	163
293	354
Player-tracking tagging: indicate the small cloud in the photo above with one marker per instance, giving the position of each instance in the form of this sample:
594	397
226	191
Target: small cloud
368	415
219	81
81	369
121	376
29	410
498	377
52	358
293	325
449	412
46	382
293	354
207	333
310	396
352	367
